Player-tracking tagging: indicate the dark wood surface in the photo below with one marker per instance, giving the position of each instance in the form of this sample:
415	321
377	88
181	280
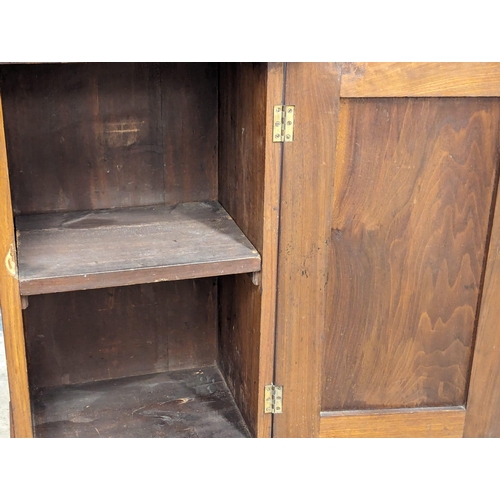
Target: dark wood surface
420	79
80	250
249	186
307	176
85	336
189	118
10	303
94	136
483	402
240	343
188	403
412	196
83	137
444	422
242	151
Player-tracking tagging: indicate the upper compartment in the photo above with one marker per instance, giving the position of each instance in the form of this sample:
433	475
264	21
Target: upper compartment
96	136
87	143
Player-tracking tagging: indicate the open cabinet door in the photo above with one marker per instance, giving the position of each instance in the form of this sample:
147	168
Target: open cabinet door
386	267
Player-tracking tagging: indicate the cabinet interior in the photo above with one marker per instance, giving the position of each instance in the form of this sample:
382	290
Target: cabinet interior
139	225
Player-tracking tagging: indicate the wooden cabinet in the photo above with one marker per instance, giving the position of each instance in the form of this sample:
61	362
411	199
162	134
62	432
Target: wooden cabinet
166	259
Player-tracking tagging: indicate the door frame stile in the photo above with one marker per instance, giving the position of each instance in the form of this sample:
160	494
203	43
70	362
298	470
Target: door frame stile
307	188
10	302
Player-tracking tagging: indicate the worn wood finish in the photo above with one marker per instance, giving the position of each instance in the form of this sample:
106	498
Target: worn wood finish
81	250
420	80
483	402
84	336
189	118
308	167
412	196
407	423
249	185
187	403
84	136
10	303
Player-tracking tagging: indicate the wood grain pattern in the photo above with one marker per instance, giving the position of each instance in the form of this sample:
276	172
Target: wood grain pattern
408	423
420	80
307	175
412	196
186	403
189	119
96	136
84	136
483	402
85	336
249	186
10	303
81	250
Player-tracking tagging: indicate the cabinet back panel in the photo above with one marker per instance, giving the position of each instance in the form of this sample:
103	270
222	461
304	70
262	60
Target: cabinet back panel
190	117
77	337
413	190
91	136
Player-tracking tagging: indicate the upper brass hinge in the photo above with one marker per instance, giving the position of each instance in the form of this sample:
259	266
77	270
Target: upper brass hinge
283	123
273	399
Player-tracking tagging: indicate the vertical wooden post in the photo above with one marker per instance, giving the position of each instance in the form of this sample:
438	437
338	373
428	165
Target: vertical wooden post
10	302
272	185
307	185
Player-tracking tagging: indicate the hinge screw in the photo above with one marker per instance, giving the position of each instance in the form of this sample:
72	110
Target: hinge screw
277	124
290	110
288	136
277	136
288	123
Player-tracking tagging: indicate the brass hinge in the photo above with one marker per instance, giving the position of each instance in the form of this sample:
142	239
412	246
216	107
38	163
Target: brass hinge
273	399
283	123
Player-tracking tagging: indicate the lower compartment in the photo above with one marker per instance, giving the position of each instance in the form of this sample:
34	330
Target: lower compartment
185	403
143	360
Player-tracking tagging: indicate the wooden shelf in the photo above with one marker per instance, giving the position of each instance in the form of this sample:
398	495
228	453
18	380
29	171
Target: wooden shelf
104	248
186	403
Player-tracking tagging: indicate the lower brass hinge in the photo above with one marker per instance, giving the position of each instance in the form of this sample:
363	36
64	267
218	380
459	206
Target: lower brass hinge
283	123
273	399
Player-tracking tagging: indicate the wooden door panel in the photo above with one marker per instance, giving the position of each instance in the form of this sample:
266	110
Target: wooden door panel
413	187
376	336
